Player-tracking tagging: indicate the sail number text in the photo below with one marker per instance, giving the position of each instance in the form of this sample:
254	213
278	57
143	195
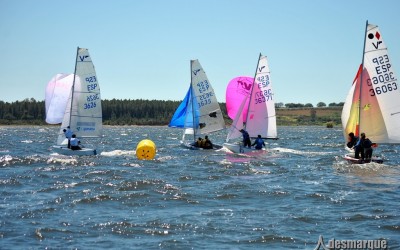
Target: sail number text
91	98
92	83
263	96
89	105
263	81
205	97
384	76
203	86
91	101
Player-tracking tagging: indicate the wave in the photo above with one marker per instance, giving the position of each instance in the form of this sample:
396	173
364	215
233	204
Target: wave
118	153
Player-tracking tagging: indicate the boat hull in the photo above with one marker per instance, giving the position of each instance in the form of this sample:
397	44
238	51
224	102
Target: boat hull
239	149
64	150
350	158
190	145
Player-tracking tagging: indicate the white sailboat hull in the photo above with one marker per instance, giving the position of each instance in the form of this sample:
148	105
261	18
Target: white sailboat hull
350	158
64	150
238	148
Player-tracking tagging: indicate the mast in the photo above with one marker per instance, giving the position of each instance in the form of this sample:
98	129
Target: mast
73	86
191	99
251	93
361	82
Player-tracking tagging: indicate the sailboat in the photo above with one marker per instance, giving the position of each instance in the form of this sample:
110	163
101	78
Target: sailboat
256	113
199	114
372	105
82	110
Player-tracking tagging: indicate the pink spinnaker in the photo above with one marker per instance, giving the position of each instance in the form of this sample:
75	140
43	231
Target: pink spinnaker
238	89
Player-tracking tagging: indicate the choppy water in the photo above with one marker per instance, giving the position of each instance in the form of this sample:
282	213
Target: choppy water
187	199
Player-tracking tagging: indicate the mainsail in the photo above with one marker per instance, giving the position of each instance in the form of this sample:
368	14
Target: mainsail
83	112
209	117
260	118
372	105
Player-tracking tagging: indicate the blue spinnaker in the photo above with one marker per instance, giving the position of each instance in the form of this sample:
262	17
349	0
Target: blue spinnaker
184	111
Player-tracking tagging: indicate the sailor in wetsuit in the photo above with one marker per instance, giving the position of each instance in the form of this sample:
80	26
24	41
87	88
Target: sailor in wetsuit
259	143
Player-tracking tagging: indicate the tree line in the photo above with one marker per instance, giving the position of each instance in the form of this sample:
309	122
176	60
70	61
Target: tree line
308	105
115	112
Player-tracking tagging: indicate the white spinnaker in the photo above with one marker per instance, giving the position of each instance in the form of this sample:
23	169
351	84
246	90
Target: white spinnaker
57	93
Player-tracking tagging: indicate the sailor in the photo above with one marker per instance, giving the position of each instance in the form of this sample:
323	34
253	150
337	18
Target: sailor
68	134
359	149
246	138
207	143
352	140
259	143
354	143
75	143
367	145
199	142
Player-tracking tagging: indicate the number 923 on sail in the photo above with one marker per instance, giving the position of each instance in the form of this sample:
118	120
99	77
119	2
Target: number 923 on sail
263	81
203	86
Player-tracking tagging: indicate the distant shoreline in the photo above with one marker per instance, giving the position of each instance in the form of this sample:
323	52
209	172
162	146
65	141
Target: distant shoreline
302	116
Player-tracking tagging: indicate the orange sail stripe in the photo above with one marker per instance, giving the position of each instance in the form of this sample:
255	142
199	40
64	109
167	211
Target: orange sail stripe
357	132
358	73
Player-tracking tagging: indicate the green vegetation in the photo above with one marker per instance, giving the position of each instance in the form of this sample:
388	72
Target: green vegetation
158	112
329	124
309	116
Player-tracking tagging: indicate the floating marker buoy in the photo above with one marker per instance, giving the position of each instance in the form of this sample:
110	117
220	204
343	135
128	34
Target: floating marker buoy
146	150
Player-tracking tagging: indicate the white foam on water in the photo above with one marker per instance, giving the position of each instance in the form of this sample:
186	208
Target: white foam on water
118	152
56	158
299	152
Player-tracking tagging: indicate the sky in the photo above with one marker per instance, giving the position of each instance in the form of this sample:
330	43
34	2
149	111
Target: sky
142	49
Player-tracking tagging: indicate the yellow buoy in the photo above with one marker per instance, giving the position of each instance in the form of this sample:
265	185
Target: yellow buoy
146	150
